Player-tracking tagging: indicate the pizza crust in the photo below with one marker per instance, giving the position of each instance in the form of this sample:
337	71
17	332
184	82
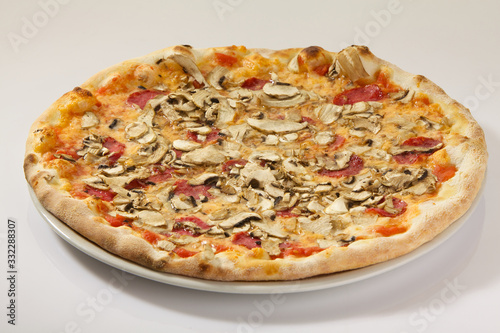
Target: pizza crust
430	218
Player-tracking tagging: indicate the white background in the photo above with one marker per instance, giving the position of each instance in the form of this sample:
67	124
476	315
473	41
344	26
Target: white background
48	47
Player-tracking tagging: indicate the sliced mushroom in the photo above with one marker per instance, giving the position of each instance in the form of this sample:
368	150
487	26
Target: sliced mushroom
292	166
321	226
280	91
205	178
210	155
182	202
136	130
225	114
270	228
403	149
239	219
357	196
114	171
89	119
203	130
149	137
189	66
256	176
165	245
338	206
217	77
276	126
159	151
266	155
397	180
324	138
152	218
328	113
285	102
186	145
201	97
429	124
349	64
96	182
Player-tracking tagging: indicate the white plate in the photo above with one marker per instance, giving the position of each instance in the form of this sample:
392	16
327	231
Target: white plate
315	283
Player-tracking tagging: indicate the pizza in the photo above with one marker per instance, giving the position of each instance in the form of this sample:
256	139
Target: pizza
238	164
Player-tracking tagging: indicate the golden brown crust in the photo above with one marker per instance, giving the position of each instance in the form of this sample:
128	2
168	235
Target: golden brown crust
452	200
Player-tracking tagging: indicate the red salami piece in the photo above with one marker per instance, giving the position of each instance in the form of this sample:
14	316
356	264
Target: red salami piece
141	98
199	222
398	204
254	83
116	149
195	191
356	164
421	141
104	195
227	166
410	156
243	238
367	93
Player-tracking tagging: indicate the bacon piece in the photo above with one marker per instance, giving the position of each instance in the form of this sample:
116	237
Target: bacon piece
367	93
141	98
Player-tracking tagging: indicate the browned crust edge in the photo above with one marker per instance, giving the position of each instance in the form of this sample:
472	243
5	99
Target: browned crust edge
453	200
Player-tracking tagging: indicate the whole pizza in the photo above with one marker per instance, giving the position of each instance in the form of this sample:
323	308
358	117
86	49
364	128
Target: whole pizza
239	164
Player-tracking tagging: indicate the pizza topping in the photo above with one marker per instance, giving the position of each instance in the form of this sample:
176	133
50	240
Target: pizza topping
188	66
217	77
254	83
276	126
238	220
225	160
141	98
366	93
403	96
349	64
89	120
210	155
411	149
389	207
185	145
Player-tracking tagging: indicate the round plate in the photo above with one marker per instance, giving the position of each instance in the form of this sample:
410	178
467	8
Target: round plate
314	283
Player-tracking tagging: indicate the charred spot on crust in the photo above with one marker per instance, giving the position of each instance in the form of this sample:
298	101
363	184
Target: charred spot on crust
82	92
312	51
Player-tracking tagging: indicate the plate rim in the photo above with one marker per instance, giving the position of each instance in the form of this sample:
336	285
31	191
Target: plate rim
247	287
